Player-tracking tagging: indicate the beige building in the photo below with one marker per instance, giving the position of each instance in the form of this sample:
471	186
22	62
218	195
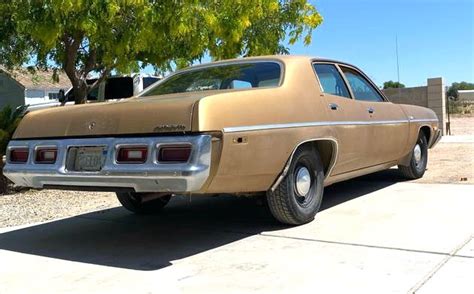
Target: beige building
466	95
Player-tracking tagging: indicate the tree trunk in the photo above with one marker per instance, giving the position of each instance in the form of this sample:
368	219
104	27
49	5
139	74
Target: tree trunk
80	92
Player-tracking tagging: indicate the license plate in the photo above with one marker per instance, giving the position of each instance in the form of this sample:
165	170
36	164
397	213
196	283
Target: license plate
90	158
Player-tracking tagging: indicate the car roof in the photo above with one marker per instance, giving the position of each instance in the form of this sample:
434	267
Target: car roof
281	58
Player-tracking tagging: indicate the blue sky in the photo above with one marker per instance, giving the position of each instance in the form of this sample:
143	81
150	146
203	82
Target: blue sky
435	38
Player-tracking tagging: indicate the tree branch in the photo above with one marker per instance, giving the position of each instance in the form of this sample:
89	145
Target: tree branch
91	62
102	77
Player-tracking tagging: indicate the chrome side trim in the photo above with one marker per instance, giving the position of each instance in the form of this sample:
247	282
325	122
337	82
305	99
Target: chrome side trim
320	123
335	147
150	176
424	120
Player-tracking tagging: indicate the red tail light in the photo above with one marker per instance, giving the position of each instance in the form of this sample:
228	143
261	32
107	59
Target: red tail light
19	155
46	155
135	154
174	154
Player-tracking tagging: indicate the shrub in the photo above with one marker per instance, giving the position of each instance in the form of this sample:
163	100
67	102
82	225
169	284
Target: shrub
9	120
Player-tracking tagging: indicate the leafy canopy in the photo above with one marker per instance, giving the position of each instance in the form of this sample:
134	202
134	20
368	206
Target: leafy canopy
84	36
392	84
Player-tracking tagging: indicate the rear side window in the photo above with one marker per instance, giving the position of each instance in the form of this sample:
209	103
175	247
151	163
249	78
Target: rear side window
362	89
331	80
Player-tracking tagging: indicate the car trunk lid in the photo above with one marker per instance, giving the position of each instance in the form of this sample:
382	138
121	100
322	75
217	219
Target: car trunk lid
143	115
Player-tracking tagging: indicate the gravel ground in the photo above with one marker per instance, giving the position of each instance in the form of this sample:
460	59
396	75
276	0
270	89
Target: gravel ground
448	163
37	206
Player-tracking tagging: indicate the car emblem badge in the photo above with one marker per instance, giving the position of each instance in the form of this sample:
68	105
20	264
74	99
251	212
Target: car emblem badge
92	125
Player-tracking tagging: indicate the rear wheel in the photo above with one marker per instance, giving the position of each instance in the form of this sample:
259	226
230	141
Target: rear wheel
419	159
133	202
298	197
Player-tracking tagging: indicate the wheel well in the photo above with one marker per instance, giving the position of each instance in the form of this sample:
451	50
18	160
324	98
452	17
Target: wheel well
327	150
427	132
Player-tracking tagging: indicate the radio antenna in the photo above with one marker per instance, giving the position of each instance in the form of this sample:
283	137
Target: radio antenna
398	64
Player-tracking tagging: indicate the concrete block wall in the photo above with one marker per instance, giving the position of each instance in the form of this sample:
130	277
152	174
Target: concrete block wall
437	99
415	96
432	96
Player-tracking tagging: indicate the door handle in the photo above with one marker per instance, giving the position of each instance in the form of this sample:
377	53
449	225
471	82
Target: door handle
333	106
370	110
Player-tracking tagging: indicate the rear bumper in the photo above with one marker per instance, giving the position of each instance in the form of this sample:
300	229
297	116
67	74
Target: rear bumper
150	176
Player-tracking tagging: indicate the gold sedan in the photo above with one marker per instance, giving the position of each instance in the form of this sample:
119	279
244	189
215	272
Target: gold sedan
284	125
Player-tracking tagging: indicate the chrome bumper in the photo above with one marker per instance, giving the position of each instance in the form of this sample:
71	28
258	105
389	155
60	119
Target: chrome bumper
150	176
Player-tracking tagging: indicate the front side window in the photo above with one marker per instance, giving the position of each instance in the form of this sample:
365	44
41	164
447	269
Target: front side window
221	77
361	88
331	80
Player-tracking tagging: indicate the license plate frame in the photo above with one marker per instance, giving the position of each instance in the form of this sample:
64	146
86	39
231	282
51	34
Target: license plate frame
88	158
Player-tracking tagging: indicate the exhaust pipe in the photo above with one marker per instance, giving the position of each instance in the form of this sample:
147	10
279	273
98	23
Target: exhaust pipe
145	197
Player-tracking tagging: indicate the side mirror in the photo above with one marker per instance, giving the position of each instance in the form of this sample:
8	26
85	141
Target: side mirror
61	96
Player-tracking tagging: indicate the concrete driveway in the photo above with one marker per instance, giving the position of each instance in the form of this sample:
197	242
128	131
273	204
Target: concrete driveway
373	235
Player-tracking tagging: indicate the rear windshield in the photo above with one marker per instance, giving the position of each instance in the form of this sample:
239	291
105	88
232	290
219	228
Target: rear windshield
221	77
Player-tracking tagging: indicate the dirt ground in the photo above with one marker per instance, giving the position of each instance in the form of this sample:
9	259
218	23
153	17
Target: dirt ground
462	125
452	162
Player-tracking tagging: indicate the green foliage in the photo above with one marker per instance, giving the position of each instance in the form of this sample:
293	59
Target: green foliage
392	84
453	89
84	36
9	120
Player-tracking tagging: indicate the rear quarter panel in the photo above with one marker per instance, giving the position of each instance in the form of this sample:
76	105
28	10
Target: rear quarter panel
419	117
255	163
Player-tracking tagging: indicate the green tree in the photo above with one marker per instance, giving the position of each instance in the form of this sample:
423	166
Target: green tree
453	89
392	84
100	36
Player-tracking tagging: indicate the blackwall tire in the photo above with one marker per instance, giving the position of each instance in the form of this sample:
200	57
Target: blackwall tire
419	160
298	198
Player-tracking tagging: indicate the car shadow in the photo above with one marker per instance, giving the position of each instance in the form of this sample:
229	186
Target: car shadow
188	226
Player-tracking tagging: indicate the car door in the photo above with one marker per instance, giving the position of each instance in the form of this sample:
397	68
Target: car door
345	116
389	127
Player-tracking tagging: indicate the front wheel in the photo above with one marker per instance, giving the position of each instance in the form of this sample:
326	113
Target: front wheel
133	202
419	159
298	197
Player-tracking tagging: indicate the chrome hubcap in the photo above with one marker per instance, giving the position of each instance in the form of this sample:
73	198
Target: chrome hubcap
303	181
417	154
